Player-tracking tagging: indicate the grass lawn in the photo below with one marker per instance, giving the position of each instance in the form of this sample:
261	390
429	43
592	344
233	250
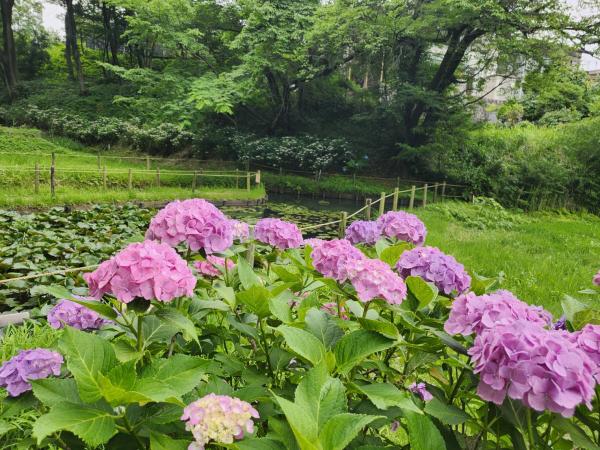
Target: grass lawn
543	258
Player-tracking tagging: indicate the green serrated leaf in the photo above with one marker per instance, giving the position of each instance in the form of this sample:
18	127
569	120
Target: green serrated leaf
160	441
340	430
358	345
303	343
248	277
61	292
51	391
381	326
424	292
256	299
176	319
323	327
448	414
422	433
385	395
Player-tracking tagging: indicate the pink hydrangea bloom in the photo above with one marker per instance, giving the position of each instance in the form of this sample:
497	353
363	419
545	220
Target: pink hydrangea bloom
66	312
197	222
334	258
213	266
436	267
148	270
421	390
278	233
373	278
403	226
540	367
597	279
473	314
241	230
332	309
588	340
218	418
34	364
363	231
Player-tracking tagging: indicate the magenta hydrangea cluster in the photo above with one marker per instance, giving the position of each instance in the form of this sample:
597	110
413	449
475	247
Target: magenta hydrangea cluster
66	312
540	367
363	231
597	279
471	313
332	308
218	418
431	264
588	340
148	270
403	226
240	230
196	222
33	364
335	258
213	266
373	278
421	390
278	233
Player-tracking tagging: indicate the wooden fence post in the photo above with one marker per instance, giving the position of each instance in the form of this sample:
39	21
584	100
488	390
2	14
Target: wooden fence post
194	181
443	190
147	163
237	178
130	180
37	178
248	181
198	182
382	204
158	177
257	180
435	192
104	177
411	203
425	194
368	210
52	176
395	200
343	222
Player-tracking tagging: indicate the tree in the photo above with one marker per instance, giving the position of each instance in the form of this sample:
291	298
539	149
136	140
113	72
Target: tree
9	54
72	54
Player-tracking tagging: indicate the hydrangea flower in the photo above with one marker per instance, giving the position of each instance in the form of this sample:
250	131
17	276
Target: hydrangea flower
363	231
473	314
278	233
241	230
421	390
560	324
34	364
195	221
334	258
313	242
373	278
331	308
66	312
218	418
403	226
588	340
213	266
432	265
148	269
540	367
597	279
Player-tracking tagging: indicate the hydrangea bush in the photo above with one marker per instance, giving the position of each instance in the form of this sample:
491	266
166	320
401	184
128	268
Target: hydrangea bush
276	342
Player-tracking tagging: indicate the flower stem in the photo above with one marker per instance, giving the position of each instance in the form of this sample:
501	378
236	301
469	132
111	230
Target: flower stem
366	309
140	337
530	429
129	428
266	349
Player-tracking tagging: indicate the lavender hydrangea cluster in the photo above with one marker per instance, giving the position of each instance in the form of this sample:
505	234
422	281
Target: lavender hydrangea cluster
213	266
540	367
335	258
278	233
431	264
196	222
218	418
403	226
421	390
240	230
66	312
471	313
596	279
148	270
588	340
373	278
363	231
33	364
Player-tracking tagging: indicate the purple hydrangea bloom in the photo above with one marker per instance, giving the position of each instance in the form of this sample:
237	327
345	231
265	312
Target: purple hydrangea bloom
421	390
34	364
373	278
588	340
333	259
431	264
195	221
540	367
473	314
278	233
74	315
218	418
597	279
403	226
241	230
147	269
560	324
363	231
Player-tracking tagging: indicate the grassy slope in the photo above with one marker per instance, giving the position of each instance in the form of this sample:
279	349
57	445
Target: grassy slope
542	259
81	181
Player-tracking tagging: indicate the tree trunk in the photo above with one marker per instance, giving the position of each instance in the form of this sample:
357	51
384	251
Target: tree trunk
72	30
68	49
114	37
9	54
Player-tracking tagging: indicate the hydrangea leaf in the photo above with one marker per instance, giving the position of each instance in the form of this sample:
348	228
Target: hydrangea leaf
445	413
303	343
51	391
422	433
247	276
381	326
175	318
321	396
61	292
341	429
160	441
87	355
323	326
575	434
424	292
94	426
391	255
181	373
256	299
385	395
256	444
356	346
304	428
